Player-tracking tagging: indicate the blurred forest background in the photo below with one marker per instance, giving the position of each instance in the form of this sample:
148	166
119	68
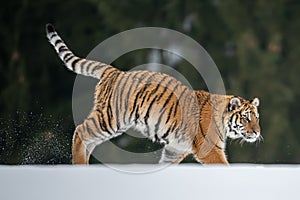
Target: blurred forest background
255	44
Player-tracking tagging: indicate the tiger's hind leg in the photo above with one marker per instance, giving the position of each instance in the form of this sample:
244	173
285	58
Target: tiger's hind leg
86	137
171	155
82	146
79	155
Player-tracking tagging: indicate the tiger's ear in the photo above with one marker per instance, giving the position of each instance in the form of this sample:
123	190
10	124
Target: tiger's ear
255	102
234	103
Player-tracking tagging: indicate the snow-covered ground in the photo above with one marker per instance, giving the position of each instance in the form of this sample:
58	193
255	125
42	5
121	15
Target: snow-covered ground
171	182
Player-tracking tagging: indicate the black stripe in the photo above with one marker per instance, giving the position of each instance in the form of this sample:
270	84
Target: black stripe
66	55
82	66
97	67
138	95
113	70
103	124
125	83
69	58
133	81
114	83
89	130
156	138
169	114
53	35
165	89
235	121
218	147
201	129
137	115
159	121
170	96
117	116
101	96
87	68
95	124
129	92
109	117
109	110
119	100
74	63
106	91
156	88
134	104
173	125
147	115
152	92
109	83
58	41
138	83
230	120
166	133
166	102
177	102
146	93
62	48
62	51
148	110
99	115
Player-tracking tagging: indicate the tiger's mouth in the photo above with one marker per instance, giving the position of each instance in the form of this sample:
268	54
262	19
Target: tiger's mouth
250	137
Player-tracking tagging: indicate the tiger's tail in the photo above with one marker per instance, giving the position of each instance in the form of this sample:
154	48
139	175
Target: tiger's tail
78	65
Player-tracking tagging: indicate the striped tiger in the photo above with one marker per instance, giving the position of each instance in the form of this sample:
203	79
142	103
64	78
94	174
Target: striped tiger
160	107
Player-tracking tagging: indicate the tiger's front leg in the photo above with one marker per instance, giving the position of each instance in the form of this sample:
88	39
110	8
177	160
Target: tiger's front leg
215	156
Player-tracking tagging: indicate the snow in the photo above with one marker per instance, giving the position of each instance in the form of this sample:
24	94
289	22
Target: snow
185	181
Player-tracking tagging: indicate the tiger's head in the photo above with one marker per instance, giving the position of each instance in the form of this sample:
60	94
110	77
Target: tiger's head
243	119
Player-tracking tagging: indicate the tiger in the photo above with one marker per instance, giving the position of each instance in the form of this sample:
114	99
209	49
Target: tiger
183	120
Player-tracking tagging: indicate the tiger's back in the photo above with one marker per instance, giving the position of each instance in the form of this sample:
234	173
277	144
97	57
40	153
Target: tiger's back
156	104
